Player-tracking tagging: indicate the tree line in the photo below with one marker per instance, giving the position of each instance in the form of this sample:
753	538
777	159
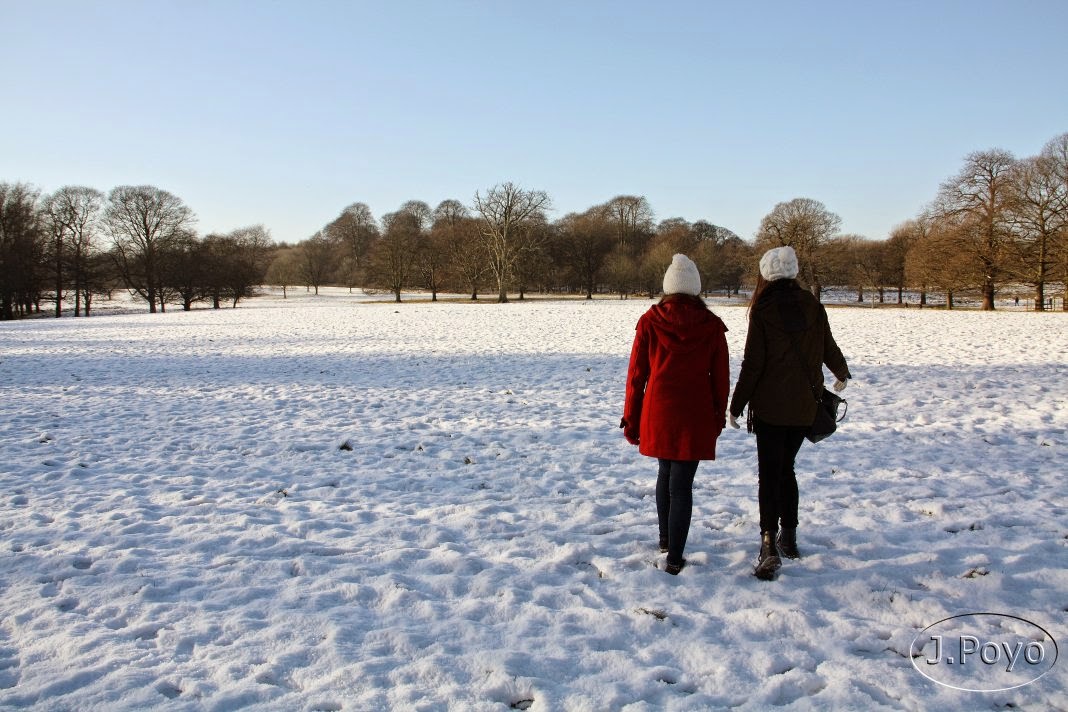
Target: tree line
76	244
504	244
998	221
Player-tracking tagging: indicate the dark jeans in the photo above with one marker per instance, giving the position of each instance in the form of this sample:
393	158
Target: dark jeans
777	446
674	504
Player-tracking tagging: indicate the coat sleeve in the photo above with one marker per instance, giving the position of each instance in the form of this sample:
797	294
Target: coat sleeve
832	355
753	359
637	379
721	379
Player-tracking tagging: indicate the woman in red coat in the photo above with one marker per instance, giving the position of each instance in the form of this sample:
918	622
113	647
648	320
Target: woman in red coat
677	388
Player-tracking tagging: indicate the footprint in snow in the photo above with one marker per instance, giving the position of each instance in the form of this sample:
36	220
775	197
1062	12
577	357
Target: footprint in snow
10	663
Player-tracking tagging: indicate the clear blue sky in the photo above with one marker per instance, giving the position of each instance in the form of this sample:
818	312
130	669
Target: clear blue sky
282	113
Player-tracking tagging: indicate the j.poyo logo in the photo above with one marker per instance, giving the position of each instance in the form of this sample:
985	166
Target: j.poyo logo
984	652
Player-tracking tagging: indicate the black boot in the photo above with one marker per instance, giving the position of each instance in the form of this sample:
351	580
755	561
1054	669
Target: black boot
787	542
768	561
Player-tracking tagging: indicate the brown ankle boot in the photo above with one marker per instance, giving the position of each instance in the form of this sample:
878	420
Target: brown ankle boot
768	561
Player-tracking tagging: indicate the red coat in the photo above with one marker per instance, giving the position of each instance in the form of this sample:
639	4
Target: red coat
678	382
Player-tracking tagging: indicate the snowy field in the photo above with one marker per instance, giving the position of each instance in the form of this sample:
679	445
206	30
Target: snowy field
324	503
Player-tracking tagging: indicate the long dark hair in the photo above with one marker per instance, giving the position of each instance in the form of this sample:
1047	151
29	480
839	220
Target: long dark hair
761	287
758	291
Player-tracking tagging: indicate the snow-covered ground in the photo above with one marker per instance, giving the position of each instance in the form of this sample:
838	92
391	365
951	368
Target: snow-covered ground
323	503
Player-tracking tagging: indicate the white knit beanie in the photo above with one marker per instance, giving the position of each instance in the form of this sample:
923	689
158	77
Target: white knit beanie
682	277
780	263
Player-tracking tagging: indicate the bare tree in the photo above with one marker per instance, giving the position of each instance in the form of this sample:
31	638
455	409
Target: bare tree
316	260
870	266
654	262
587	239
632	218
74	213
21	250
143	222
429	251
838	263
1056	152
979	201
394	257
237	262
725	262
934	261
433	264
354	230
804	224
621	271
901	241
721	256
284	269
55	253
185	270
1041	216
678	235
100	277
507	213
467	256
438	260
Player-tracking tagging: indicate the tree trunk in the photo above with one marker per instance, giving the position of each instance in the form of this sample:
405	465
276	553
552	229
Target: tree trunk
59	281
988	296
77	288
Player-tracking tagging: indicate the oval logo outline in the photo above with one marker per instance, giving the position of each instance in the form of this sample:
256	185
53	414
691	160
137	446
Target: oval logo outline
913	650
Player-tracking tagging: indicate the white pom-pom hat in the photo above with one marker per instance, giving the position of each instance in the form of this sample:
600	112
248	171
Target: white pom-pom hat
780	263
682	277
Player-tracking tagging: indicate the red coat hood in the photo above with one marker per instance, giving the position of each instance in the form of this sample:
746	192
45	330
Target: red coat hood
684	325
